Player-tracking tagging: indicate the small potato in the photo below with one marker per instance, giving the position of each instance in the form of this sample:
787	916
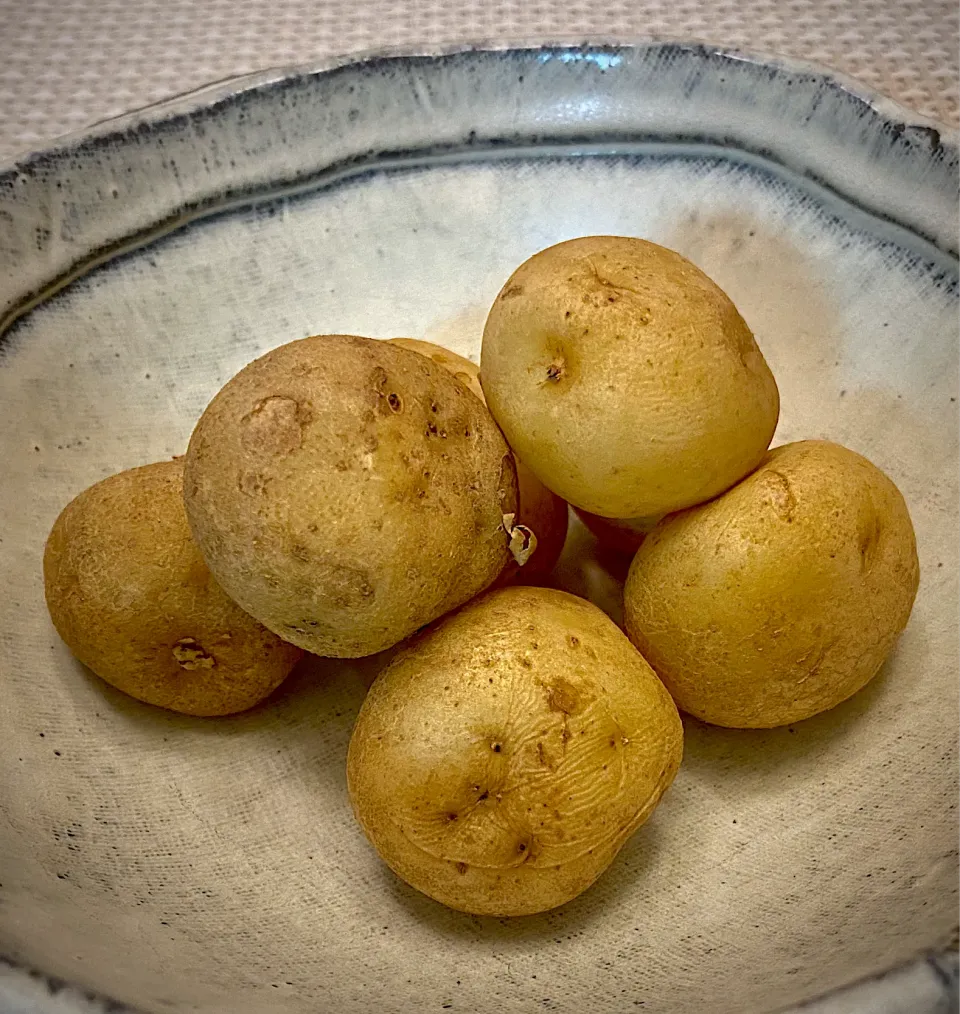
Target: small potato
538	510
132	598
346	492
502	759
625	378
622	535
781	598
463	369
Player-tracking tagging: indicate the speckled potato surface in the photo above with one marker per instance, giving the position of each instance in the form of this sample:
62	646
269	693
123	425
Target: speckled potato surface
462	368
346	492
542	512
504	757
781	598
625	378
132	598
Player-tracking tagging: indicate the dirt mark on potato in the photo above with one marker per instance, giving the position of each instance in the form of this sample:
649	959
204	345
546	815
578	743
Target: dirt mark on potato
274	427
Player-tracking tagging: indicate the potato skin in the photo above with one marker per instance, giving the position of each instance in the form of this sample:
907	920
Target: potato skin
463	369
622	535
346	492
543	512
625	378
781	598
502	760
129	593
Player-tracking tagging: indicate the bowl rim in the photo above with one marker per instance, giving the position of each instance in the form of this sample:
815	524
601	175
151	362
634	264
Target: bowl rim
898	114
918	194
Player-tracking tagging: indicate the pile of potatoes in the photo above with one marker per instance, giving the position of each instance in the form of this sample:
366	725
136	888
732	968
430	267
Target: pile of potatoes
341	495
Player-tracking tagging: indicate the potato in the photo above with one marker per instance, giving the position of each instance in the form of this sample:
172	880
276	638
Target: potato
622	535
781	598
345	492
625	378
462	368
132	598
538	510
500	762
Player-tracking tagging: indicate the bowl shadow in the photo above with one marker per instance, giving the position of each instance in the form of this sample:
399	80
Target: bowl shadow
763	752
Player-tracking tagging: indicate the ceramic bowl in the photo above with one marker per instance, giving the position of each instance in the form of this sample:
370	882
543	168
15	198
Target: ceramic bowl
180	864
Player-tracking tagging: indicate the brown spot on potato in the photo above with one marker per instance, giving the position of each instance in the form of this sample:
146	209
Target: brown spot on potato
817	663
252	483
395	402
778	494
274	427
512	292
871	534
191	655
345	586
564	697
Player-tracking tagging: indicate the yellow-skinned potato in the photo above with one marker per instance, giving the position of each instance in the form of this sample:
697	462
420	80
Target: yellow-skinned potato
622	535
132	598
346	491
540	511
462	368
625	378
502	759
781	598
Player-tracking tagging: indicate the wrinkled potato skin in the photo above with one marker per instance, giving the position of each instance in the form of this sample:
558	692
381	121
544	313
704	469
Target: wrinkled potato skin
346	492
502	760
625	378
781	598
132	598
543	512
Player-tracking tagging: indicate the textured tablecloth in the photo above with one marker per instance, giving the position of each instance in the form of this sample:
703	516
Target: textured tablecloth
67	63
